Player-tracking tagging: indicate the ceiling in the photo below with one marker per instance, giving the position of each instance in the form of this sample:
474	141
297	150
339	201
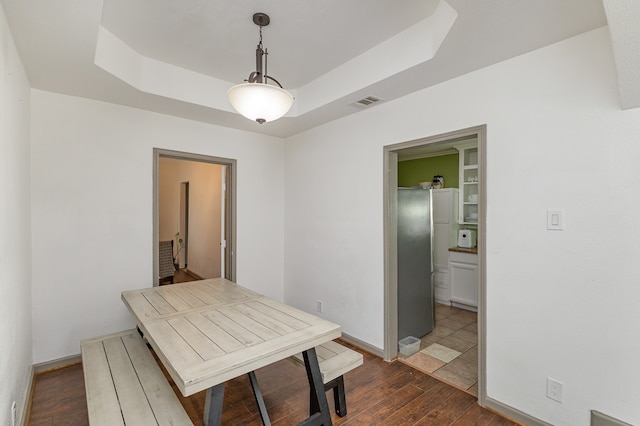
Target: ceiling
180	57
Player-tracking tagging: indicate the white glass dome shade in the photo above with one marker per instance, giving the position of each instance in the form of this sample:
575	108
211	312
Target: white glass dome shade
259	101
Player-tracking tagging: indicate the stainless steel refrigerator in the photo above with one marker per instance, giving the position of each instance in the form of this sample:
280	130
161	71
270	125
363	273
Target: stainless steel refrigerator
416	315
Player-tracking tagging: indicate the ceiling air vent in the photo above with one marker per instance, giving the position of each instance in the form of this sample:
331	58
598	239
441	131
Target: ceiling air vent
366	102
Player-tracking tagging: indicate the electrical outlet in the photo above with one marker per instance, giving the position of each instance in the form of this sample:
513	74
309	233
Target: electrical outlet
13	413
319	306
554	389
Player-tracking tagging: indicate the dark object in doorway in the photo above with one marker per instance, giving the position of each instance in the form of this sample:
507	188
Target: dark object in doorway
166	269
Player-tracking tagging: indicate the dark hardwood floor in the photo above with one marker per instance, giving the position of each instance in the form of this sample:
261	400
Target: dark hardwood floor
378	393
183	276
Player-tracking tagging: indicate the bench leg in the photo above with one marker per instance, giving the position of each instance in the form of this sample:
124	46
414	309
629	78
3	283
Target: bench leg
213	405
319	409
339	399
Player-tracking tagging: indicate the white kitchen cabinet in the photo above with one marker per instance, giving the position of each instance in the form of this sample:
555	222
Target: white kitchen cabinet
445	229
463	275
441	286
468	182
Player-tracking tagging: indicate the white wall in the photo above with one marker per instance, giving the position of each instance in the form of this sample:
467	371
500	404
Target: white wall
561	304
205	207
15	229
92	211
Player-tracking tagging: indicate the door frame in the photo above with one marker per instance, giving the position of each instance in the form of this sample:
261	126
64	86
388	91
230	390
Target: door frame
230	207
390	158
184	224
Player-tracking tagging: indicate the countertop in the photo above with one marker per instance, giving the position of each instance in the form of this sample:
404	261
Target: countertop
473	250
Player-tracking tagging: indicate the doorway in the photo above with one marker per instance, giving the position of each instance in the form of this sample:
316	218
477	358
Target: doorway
432	144
202	212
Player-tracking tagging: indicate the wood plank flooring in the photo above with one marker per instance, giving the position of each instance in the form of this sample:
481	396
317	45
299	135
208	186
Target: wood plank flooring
378	393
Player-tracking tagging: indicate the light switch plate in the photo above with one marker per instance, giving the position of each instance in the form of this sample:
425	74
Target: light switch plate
555	220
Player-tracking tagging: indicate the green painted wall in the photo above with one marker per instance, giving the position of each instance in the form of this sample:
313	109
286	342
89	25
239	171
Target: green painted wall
412	172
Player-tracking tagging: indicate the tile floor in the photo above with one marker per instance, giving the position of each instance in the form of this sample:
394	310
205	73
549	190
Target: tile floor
450	351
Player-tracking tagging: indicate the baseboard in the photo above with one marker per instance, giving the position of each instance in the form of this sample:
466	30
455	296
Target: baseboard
597	418
193	274
601	419
362	345
27	398
57	363
513	414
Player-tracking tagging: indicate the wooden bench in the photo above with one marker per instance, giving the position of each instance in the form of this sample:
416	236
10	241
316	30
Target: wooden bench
335	360
125	385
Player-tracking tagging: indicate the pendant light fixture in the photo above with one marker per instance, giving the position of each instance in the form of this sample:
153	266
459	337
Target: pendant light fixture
256	99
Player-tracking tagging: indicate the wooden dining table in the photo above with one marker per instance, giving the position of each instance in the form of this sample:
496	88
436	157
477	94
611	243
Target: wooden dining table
210	331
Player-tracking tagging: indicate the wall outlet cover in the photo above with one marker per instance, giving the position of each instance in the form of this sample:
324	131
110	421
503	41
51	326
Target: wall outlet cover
554	389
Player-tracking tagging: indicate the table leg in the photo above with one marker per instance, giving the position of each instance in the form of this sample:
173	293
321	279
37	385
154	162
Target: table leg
259	400
213	405
319	409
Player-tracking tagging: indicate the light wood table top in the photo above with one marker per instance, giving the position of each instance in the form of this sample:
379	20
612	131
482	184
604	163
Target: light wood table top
210	331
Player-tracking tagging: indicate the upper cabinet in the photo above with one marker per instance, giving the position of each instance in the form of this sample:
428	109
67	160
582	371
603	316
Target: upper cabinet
468	212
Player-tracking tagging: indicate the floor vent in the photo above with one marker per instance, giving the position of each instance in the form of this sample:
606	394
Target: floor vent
365	102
